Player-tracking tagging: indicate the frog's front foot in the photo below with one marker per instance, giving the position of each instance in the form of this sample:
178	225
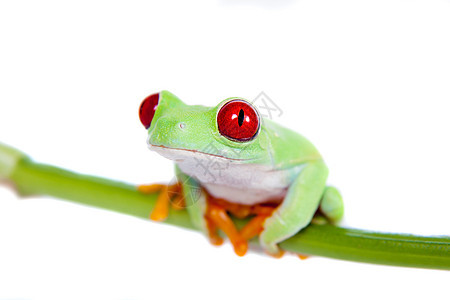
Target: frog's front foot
169	195
270	247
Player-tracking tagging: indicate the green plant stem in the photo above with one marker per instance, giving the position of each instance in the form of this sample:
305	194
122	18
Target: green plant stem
32	178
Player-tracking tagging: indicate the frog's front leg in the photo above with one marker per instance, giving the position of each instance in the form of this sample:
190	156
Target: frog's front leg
194	198
298	207
207	216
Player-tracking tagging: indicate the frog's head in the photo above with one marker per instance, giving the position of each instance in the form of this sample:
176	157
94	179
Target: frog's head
232	130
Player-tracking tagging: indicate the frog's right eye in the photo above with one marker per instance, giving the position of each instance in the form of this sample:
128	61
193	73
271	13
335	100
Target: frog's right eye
147	109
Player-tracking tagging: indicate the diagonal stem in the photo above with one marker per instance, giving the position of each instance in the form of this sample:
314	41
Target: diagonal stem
32	178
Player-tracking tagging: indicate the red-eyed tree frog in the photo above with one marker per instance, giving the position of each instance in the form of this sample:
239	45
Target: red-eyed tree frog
231	161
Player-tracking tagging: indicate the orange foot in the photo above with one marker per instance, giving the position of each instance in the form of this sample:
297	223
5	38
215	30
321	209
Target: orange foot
168	195
217	217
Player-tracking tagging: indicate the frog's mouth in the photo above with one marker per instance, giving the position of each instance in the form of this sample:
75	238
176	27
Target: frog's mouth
181	154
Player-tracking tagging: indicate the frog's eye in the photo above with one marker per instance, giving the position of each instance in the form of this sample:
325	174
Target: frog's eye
238	120
147	110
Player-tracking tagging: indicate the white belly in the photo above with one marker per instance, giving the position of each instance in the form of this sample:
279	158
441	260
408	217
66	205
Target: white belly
245	196
240	183
234	181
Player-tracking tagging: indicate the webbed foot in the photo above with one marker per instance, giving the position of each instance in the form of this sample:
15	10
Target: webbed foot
169	195
218	217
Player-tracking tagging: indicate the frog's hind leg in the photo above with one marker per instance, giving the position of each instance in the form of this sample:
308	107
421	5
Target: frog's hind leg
331	204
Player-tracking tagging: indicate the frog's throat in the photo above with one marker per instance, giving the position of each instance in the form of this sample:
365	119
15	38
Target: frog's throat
161	149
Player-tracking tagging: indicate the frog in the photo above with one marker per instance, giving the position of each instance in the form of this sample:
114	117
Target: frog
230	161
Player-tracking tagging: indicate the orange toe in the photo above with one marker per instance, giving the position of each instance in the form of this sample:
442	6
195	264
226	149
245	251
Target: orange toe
161	209
240	247
219	217
150	188
214	237
253	228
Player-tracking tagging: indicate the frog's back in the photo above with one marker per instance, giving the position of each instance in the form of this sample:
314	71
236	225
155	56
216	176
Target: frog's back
288	147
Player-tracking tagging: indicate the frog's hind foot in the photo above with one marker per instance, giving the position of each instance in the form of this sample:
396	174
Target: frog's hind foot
169	195
218	218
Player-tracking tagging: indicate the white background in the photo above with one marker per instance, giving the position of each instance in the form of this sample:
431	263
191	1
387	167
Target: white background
368	82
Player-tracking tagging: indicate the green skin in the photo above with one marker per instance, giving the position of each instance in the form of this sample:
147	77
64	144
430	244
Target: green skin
277	159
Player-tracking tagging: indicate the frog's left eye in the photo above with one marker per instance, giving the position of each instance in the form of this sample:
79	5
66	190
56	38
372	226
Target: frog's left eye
238	120
147	109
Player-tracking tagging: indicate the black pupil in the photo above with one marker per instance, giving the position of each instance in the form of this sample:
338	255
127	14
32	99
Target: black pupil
241	118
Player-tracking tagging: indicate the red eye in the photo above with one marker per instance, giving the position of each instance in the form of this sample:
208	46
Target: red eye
147	109
238	120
